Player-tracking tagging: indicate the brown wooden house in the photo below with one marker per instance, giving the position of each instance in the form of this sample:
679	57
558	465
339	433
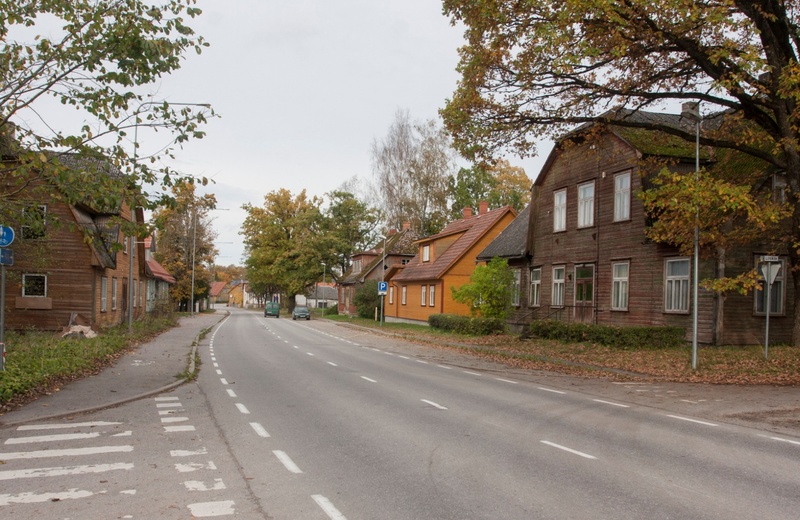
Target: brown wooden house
74	266
372	264
444	261
591	262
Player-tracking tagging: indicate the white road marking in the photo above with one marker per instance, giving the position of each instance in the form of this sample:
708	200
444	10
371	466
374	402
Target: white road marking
188	468
328	508
286	461
223	380
196	485
205	509
185	428
551	390
124	434
259	429
188	453
506	380
231	393
472	373
52	438
445	367
612	404
33	498
435	405
403	357
309	353
691	420
30	427
216	365
332	364
219	372
63	471
72	452
576	452
368	379
242	408
165	420
171	398
168	405
421	361
781	440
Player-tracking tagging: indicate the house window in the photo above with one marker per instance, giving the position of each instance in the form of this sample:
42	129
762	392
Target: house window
141	293
776	292
560	210
424	298
431	295
558	286
34	285
515	283
113	294
104	294
779	189
536	287
135	287
391	295
357	266
676	289
404	261
622	196
34	218
426	253
586	205
403	295
619	289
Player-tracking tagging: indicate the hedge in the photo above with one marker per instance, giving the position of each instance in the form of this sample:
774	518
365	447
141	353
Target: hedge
626	338
475	326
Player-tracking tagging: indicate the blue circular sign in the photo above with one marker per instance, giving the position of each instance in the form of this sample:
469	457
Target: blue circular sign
6	236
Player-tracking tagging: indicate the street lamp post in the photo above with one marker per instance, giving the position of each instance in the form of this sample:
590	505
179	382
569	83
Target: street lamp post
322	311
692	112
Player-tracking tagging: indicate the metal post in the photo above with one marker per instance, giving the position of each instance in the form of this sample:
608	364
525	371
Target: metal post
3	314
194	244
691	111
383	274
768	304
323	286
131	248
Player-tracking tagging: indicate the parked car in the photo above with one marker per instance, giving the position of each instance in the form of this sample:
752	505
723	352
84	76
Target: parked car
272	309
301	312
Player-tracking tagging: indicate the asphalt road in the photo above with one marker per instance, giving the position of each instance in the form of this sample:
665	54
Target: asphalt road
324	422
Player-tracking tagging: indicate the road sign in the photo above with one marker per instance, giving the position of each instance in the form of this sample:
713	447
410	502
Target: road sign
6	236
769	258
383	288
770	272
6	257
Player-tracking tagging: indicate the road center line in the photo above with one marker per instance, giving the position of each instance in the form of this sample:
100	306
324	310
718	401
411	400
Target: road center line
435	405
328	508
242	408
551	390
287	462
612	404
691	420
231	392
259	429
570	450
368	379
331	363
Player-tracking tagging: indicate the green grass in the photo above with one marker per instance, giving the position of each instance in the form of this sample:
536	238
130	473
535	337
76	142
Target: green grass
38	361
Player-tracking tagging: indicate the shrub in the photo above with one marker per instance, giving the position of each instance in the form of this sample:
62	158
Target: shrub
472	325
367	299
627	338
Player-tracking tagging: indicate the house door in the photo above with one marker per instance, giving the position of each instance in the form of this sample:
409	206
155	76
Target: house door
584	293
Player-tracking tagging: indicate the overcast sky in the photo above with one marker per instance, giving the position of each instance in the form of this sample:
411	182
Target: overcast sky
303	88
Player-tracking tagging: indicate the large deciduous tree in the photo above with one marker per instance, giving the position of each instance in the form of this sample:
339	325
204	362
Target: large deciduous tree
500	185
533	70
74	79
412	165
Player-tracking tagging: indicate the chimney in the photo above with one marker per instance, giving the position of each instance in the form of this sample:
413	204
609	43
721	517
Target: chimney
392	232
467	212
406	226
483	207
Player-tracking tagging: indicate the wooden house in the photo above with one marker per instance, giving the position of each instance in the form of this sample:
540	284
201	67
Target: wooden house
372	264
591	261
444	261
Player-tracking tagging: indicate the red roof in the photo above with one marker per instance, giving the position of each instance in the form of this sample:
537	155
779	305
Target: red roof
157	271
216	288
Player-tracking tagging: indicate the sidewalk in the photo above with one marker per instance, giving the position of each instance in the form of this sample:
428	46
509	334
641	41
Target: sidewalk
149	369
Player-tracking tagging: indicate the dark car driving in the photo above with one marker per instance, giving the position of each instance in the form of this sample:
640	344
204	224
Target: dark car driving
301	312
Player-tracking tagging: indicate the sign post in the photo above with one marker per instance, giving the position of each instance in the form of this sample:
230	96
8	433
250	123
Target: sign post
383	288
6	258
770	265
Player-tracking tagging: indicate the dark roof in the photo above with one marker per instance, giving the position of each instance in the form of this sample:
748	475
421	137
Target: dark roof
512	242
470	229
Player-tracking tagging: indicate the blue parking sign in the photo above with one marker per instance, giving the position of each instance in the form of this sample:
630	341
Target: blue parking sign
383	287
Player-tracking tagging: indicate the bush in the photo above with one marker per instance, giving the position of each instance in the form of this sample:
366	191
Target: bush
626	338
475	326
367	299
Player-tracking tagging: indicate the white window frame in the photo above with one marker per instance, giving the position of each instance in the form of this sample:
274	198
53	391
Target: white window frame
423	295
104	294
426	253
432	296
777	293
535	296
515	286
25	278
560	210
391	295
559	285
404	295
622	196
586	205
620	285
676	287
114	293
